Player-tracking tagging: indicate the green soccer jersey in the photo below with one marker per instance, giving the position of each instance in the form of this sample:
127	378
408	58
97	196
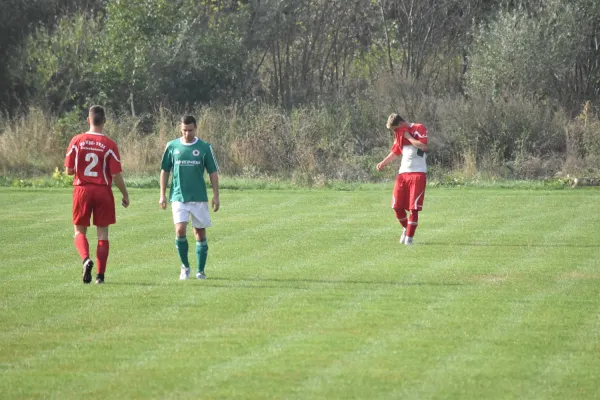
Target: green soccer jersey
187	162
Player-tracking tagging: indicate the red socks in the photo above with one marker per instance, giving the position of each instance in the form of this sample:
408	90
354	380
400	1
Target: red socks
413	219
82	246
102	255
401	215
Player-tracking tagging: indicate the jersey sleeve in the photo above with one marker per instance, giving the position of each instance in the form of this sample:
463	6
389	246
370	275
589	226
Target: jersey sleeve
71	153
114	160
397	148
420	133
210	162
399	141
167	160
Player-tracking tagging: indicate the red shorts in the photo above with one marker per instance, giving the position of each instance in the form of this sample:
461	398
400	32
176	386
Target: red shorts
93	199
409	191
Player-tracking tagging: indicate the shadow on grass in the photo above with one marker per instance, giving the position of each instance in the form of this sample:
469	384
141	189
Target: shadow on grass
246	283
340	281
210	283
561	245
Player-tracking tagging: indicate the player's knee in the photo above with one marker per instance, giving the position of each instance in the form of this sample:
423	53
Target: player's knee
414	216
400	214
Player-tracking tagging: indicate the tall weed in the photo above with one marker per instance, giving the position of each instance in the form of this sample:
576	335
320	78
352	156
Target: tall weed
511	138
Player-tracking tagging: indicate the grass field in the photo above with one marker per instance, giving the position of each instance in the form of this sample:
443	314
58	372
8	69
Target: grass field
309	296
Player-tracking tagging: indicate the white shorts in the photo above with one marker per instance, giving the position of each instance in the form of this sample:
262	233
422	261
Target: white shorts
198	211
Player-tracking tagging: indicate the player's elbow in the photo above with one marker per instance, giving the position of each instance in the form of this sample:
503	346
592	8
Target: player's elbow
70	171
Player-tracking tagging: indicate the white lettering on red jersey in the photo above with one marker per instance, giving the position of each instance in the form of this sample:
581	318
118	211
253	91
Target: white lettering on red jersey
413	159
94	157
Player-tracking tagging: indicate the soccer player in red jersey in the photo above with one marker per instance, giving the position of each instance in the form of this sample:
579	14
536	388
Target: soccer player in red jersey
95	161
410	142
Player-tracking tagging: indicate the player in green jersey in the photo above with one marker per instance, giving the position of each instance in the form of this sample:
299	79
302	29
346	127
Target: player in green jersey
187	158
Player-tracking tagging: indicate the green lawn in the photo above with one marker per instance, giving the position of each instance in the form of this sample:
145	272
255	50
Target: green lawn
308	296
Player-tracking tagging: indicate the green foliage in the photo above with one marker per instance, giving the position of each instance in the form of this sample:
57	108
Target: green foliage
315	146
134	33
61	178
299	90
62	63
534	53
500	136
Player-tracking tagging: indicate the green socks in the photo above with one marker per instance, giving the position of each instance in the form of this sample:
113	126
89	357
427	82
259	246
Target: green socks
181	244
201	254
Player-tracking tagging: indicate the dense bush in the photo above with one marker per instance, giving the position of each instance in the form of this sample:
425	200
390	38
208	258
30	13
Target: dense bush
302	89
510	138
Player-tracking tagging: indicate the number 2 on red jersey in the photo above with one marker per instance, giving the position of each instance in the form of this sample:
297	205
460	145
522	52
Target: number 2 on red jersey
92	159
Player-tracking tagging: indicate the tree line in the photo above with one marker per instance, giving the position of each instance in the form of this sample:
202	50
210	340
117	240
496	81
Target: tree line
440	61
60	53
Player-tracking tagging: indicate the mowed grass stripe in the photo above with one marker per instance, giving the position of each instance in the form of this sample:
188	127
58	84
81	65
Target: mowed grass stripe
274	353
572	369
508	318
156	318
385	347
498	349
353	350
567	330
268	344
266	357
514	333
161	355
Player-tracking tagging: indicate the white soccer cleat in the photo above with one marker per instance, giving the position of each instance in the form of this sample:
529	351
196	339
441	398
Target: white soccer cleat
185	273
200	275
408	241
403	236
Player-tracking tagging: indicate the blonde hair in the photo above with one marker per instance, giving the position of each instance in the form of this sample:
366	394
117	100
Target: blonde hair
393	120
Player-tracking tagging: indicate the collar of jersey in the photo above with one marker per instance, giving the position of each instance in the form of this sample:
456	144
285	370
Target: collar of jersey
188	144
95	133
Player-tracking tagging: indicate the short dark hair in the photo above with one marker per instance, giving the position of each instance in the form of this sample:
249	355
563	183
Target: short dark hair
97	115
188	120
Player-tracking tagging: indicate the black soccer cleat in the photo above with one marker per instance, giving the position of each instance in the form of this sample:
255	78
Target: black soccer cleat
88	265
99	279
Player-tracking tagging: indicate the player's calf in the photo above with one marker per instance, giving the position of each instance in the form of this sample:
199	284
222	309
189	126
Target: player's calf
413	219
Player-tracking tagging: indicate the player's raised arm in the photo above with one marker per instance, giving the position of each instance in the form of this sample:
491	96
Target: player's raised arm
417	143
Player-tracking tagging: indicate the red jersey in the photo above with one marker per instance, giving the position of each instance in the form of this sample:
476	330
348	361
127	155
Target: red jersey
413	159
94	157
417	131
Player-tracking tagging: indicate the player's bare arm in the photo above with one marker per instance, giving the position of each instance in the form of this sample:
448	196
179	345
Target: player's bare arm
120	183
417	143
164	179
390	157
214	182
70	171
